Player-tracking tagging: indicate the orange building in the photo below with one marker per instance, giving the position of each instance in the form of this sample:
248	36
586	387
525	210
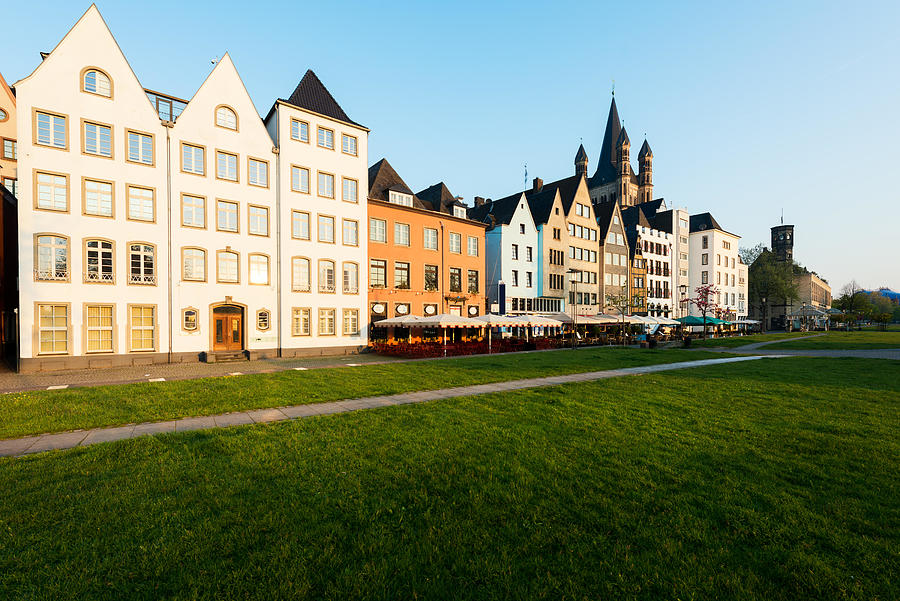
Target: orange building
425	256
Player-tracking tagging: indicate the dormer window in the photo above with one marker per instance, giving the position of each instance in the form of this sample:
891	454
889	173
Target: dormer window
96	82
227	118
459	212
399	198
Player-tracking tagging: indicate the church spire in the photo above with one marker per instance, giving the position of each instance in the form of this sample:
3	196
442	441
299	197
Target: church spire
606	164
581	161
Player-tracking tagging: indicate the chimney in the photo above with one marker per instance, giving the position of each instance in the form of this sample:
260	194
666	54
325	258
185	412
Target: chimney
538	184
479	200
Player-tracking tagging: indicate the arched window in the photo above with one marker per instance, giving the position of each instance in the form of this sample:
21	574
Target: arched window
227	118
96	82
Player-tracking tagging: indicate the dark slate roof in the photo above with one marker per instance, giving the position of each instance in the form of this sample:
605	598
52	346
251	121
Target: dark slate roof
663	221
439	198
606	166
497	212
623	138
651	207
581	155
540	203
704	221
631	218
604	212
645	150
311	94
383	178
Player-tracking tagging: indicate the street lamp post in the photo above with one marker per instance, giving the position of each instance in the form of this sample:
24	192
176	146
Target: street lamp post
762	312
573	280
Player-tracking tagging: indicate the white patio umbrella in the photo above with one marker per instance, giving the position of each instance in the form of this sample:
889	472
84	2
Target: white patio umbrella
492	320
445	320
404	321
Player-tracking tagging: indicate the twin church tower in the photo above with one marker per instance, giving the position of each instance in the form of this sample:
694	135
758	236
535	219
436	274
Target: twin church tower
615	179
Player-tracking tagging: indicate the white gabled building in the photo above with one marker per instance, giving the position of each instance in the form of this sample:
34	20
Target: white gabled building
323	181
714	260
512	254
224	244
154	229
92	187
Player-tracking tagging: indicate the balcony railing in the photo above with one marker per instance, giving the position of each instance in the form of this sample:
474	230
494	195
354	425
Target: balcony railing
326	287
144	279
53	275
300	287
351	289
91	277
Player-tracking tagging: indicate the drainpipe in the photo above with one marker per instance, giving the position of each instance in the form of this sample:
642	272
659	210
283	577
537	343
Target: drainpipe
277	152
168	125
443	283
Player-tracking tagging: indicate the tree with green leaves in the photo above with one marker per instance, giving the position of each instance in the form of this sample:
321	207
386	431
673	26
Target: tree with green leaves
769	281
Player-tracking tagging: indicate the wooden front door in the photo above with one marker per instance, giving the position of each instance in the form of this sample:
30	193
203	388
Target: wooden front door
228	328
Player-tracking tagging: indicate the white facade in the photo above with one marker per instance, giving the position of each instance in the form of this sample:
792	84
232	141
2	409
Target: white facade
222	216
714	260
513	259
347	171
147	235
658	249
85	196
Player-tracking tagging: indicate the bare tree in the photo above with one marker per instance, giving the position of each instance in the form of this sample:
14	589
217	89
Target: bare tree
621	303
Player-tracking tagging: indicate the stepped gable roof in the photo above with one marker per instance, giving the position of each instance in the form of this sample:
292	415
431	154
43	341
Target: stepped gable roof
704	221
439	198
311	94
383	179
497	211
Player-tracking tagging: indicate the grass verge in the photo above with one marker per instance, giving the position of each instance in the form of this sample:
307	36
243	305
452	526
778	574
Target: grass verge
834	340
735	341
26	413
772	479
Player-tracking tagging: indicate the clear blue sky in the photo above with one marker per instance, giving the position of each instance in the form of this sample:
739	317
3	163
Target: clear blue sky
749	107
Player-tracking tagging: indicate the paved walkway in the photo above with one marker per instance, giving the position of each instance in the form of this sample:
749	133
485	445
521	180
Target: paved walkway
756	345
82	438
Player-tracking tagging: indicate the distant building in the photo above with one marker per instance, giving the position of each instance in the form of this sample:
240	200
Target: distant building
714	260
614	180
425	256
512	256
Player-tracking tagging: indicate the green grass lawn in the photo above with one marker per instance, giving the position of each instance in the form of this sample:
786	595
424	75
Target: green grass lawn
856	340
735	341
37	412
772	479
